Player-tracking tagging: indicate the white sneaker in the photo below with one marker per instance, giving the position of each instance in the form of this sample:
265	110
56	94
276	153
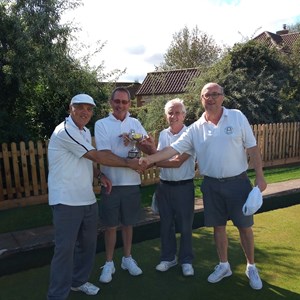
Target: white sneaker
128	263
254	279
187	270
87	288
107	271
164	265
219	273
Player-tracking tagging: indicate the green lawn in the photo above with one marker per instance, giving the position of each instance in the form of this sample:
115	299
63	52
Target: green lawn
277	235
40	215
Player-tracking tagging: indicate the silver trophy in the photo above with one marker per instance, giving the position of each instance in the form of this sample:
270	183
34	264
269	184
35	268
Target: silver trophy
134	137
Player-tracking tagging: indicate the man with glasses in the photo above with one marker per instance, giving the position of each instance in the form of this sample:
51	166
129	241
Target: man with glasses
122	205
222	138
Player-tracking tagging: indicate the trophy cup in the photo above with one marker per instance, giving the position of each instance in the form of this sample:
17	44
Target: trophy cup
134	138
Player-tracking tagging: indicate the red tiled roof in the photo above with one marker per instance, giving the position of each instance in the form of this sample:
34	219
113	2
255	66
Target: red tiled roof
167	82
176	81
290	39
131	86
283	41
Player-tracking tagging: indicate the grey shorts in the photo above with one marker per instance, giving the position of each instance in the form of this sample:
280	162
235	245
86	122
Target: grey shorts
223	200
121	206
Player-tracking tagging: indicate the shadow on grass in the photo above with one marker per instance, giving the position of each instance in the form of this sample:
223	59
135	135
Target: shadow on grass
276	259
40	257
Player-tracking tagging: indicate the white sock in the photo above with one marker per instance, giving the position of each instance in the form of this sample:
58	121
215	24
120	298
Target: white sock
225	264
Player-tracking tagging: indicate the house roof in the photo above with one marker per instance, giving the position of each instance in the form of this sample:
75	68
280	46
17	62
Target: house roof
167	82
131	86
282	40
176	81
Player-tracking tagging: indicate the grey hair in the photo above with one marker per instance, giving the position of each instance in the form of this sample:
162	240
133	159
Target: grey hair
120	89
172	102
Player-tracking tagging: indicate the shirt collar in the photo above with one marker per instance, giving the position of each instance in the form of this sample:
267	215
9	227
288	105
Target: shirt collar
224	114
182	130
70	121
111	116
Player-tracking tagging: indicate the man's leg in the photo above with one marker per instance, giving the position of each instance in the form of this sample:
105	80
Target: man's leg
66	220
221	242
185	205
85	249
110	242
127	233
247	242
167	223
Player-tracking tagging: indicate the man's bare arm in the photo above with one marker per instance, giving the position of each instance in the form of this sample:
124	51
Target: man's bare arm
175	162
107	158
162	155
255	158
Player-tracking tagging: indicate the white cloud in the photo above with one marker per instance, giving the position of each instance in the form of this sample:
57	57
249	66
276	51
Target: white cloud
138	34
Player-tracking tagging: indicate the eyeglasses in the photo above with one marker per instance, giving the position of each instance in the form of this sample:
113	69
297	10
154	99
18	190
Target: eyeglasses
118	101
214	96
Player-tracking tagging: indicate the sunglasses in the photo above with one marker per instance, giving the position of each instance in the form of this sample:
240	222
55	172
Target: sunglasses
118	101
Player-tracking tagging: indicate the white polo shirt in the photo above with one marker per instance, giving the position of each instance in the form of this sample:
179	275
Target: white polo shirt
221	148
187	169
70	178
108	133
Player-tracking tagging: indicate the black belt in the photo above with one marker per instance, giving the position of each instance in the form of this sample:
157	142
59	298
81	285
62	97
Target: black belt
240	176
179	182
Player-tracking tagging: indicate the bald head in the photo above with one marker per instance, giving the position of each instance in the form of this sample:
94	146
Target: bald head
211	85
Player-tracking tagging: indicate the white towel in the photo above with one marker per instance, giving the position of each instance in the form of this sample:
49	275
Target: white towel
253	202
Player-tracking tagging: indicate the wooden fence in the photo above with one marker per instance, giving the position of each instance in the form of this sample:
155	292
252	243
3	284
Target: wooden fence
24	167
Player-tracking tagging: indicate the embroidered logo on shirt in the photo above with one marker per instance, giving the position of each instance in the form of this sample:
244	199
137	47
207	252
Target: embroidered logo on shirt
229	130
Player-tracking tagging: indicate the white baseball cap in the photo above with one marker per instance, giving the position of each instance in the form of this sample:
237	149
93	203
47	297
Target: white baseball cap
253	202
83	98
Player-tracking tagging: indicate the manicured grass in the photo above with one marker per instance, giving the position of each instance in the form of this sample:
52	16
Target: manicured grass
40	215
272	175
277	235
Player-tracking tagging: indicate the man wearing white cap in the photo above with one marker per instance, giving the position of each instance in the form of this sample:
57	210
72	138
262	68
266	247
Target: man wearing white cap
73	202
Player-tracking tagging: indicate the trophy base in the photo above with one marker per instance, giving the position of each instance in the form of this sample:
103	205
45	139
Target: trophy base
134	154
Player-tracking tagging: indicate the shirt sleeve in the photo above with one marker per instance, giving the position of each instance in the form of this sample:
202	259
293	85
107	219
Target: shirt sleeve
248	135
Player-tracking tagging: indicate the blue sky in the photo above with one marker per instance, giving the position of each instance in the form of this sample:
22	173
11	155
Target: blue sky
138	33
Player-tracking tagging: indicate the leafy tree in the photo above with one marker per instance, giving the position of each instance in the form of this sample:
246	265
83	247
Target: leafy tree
294	27
38	71
256	80
293	93
152	115
190	50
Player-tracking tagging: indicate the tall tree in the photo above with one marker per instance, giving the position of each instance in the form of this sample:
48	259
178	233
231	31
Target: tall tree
257	80
190	49
293	27
38	73
152	115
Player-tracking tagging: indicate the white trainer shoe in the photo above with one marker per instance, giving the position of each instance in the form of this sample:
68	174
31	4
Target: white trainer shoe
107	271
254	279
87	288
187	270
128	263
219	273
164	265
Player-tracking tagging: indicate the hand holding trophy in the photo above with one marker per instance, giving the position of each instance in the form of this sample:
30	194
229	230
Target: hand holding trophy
134	137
